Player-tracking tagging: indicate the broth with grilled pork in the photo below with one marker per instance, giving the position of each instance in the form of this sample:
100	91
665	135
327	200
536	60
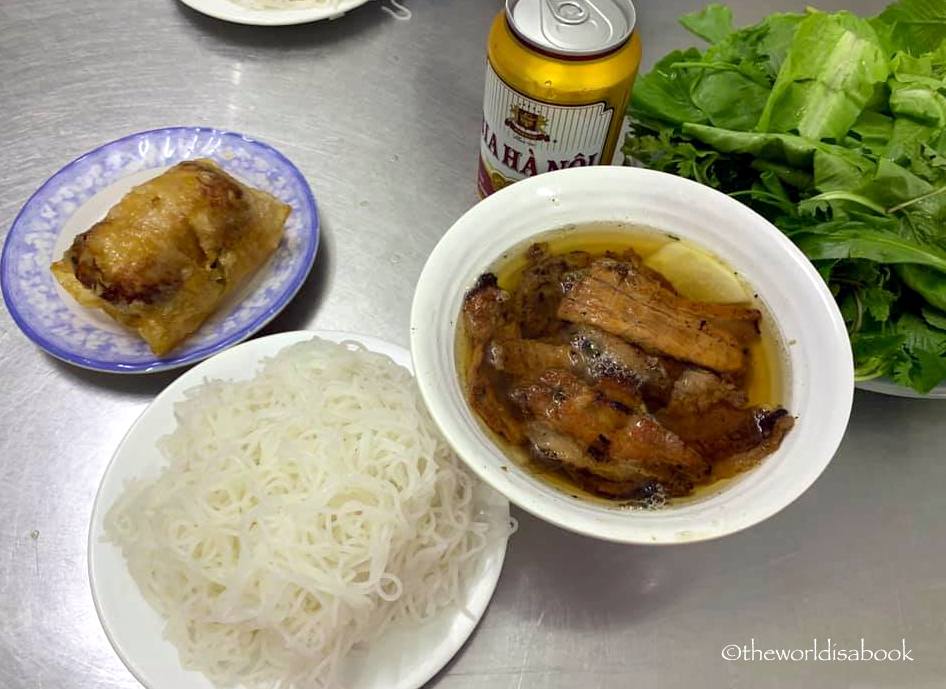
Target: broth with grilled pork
621	363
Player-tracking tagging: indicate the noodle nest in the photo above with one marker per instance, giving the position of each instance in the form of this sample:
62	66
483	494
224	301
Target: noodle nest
301	513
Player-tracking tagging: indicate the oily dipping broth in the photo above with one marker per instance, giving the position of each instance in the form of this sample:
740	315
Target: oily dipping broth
757	389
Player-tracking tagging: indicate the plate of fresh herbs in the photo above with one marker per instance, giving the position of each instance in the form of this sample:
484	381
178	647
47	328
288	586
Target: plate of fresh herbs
833	126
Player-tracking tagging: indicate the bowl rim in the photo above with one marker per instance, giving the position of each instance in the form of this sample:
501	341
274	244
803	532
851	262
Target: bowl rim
643	527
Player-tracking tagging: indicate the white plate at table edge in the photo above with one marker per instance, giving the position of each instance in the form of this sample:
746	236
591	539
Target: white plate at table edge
135	630
885	386
232	12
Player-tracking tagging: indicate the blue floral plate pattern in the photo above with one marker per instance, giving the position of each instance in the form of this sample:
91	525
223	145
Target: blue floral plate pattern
81	193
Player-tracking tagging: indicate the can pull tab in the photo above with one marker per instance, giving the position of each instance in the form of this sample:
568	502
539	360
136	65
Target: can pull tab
568	11
576	26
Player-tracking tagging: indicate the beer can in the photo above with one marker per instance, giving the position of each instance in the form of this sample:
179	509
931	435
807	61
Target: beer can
558	77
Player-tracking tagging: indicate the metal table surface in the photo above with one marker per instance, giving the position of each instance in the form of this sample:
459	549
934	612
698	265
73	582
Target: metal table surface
383	117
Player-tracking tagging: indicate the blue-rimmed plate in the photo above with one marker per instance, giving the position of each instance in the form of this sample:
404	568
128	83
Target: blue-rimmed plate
81	193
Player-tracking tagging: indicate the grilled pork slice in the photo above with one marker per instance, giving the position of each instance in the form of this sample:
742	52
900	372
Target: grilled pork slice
711	416
486	311
607	429
619	366
630	490
773	425
724	431
541	288
569	405
697	390
622	480
485	316
623	372
623	300
528	359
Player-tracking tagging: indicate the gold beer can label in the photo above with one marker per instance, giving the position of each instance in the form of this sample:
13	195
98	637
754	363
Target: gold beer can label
523	137
558	77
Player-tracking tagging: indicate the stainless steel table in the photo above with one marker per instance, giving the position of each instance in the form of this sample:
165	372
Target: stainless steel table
382	116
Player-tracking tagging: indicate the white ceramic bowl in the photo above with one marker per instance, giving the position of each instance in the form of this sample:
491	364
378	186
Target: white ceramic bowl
819	368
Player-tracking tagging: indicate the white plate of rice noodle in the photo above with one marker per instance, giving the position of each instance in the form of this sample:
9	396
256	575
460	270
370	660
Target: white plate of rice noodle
273	12
285	514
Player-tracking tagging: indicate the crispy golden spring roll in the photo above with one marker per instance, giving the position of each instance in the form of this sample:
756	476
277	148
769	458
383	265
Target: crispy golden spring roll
167	254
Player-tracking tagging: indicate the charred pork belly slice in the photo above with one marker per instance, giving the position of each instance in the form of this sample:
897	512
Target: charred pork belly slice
492	406
605	478
619	366
711	416
645	441
563	449
651	492
609	431
541	288
486	310
723	431
620	299
697	390
773	424
623	372
485	316
570	406
528	359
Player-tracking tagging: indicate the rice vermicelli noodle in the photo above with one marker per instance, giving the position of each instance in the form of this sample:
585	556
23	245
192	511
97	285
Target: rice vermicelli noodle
302	512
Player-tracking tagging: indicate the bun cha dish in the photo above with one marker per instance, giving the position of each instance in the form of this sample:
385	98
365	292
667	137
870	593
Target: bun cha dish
663	351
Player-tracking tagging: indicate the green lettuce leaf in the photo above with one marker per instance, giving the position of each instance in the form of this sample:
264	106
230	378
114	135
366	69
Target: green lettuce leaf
788	149
759	49
792	176
889	185
915	90
804	225
837	171
663	95
730	98
869	244
834	128
906	142
873	131
925	281
934	317
713	23
914	26
834	66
